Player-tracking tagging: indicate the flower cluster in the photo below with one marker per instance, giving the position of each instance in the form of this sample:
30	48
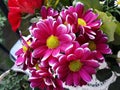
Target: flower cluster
64	47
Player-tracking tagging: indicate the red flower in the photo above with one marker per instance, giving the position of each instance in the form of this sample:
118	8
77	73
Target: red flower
17	7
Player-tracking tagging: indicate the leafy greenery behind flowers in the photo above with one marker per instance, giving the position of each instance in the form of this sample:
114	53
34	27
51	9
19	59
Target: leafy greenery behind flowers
15	81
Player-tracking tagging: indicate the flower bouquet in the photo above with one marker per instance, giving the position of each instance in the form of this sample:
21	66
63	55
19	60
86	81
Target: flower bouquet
67	42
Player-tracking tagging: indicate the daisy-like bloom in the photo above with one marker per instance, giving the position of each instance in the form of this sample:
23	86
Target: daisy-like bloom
98	45
24	55
51	38
42	78
117	3
84	22
45	12
18	7
76	66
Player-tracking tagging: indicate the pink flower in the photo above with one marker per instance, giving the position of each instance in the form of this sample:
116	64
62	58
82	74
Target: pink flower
44	79
45	12
76	66
98	45
51	38
82	22
24	55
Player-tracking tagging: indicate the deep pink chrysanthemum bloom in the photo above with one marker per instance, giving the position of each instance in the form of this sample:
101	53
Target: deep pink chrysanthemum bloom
81	21
98	45
45	12
76	66
51	38
24	55
42	78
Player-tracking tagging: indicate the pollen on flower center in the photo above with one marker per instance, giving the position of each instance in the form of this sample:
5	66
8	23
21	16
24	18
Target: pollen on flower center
52	42
81	22
24	48
75	65
118	2
92	45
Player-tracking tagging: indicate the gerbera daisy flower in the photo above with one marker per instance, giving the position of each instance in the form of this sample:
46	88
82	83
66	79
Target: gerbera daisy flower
18	7
24	55
98	45
76	66
43	79
82	22
51	38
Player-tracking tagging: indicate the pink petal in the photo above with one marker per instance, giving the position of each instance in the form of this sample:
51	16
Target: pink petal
79	9
79	52
47	54
43	12
92	63
65	38
69	79
38	52
61	29
20	51
76	79
19	61
90	70
85	76
71	57
56	52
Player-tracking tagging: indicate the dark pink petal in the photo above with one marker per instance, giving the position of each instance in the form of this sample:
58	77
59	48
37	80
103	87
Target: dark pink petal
90	17
92	63
106	51
76	79
84	75
102	46
79	52
89	69
70	19
79	9
71	57
69	79
43	12
38	52
99	56
47	54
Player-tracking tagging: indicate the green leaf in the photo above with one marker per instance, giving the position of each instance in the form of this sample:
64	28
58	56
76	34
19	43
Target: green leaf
90	4
118	29
15	81
103	74
115	85
109	25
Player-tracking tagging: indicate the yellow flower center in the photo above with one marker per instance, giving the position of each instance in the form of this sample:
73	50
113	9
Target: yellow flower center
81	22
26	48
37	67
118	2
52	42
92	45
75	65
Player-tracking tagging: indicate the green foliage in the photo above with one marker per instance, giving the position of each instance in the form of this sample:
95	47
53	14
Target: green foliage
15	81
2	20
103	74
108	24
90	3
